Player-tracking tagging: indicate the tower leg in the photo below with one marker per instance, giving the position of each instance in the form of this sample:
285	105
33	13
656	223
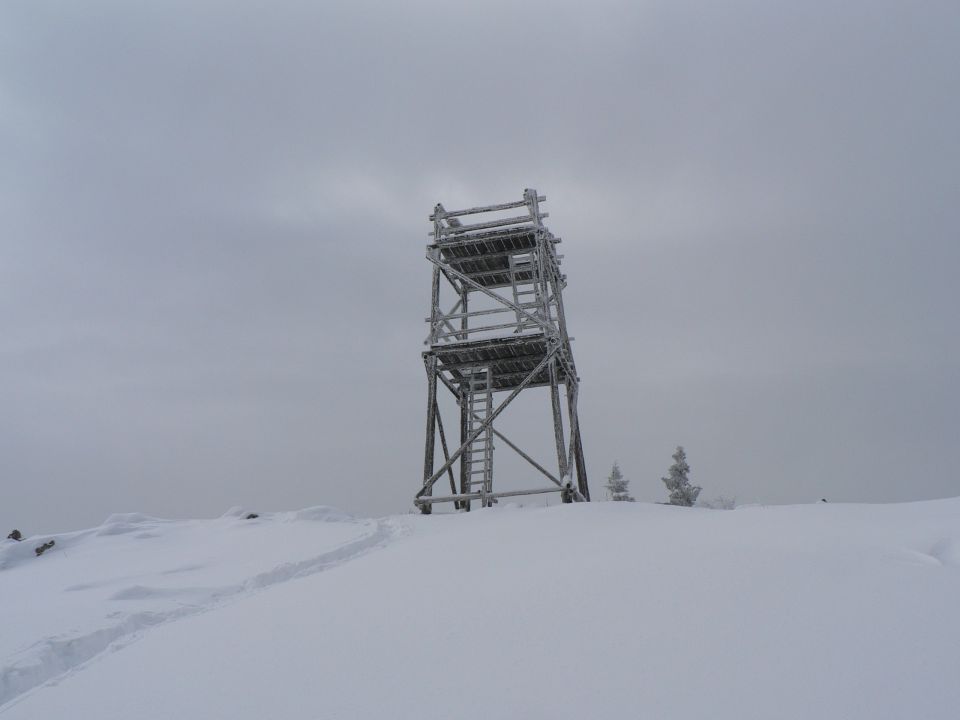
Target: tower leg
581	466
464	411
582	484
431	366
557	420
464	433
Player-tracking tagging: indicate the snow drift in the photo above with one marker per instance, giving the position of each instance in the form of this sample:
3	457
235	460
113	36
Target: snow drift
598	610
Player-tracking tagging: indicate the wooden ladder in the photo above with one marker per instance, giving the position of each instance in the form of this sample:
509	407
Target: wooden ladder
478	457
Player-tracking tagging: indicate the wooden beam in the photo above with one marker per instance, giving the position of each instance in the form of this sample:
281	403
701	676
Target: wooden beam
477	496
430	364
461	229
482	328
557	419
443	214
443	442
583	484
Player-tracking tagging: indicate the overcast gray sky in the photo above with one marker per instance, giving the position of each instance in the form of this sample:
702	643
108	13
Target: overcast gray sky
213	216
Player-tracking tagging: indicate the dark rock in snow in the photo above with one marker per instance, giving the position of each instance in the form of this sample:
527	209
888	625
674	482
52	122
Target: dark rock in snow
15	535
41	549
252	516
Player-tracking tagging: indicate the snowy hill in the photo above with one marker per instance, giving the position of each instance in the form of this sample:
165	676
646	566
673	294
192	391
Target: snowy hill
603	610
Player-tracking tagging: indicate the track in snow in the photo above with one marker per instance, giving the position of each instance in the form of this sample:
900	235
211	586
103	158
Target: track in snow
51	659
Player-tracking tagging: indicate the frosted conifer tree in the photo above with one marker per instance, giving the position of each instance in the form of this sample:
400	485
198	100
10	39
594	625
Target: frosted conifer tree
617	485
678	484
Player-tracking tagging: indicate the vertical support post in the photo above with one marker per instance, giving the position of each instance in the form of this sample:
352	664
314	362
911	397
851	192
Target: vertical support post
578	461
430	362
557	420
464	434
435	304
512	269
464	412
582	484
533	204
557	285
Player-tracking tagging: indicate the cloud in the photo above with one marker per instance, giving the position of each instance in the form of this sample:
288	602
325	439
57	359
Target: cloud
212	222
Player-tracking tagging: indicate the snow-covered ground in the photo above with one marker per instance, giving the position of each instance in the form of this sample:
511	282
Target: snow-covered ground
603	610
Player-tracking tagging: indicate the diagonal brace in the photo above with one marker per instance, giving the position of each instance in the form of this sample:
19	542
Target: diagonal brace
443	444
428	484
503	437
499	298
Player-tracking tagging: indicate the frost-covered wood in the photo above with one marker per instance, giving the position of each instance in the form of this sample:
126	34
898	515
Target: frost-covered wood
510	266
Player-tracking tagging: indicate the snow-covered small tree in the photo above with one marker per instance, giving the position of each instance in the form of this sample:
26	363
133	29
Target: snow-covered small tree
617	485
678	484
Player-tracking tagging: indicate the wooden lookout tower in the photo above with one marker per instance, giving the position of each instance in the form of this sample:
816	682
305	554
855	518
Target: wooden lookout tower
505	332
